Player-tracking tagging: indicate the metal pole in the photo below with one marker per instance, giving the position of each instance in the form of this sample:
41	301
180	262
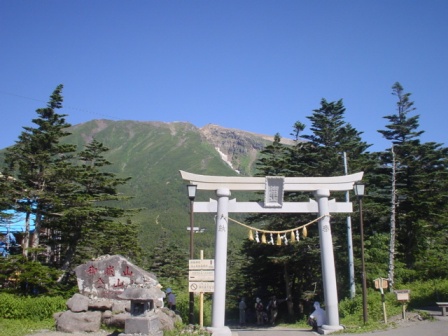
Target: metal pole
201	302
351	264
191	308
364	284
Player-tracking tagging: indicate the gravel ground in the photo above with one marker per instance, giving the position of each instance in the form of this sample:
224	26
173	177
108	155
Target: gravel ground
400	327
59	333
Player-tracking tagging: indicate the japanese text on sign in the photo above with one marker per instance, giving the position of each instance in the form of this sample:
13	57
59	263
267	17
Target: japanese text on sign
201	275
201	264
201	287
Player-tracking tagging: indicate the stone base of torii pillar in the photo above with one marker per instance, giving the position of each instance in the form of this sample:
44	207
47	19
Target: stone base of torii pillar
221	331
326	329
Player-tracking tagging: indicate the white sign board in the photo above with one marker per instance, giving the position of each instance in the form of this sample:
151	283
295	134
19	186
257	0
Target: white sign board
201	275
201	287
201	264
273	195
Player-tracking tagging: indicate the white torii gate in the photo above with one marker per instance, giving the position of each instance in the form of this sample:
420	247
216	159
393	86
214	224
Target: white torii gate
274	188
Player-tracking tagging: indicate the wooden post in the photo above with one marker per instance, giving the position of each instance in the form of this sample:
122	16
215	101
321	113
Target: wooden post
403	297
382	284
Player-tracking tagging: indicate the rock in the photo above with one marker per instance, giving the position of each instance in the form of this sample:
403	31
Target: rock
79	322
121	306
116	320
114	292
78	303
108	276
100	304
167	322
107	314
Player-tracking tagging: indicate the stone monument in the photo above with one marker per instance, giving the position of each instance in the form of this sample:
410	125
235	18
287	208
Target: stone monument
115	292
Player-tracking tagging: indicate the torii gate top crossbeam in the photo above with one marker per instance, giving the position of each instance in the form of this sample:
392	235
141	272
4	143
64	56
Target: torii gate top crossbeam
335	183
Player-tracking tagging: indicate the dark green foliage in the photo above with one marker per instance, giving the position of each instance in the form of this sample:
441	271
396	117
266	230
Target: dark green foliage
31	308
168	260
426	293
74	197
294	269
321	155
350	310
422	188
89	223
21	276
35	161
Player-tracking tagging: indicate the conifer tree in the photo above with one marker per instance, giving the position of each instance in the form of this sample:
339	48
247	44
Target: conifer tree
34	159
168	260
421	187
297	266
89	224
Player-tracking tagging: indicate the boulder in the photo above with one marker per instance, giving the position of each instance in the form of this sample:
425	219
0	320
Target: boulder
78	303
167	320
100	304
121	306
108	276
79	322
115	320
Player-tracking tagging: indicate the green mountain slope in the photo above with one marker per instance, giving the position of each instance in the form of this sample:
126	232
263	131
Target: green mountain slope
152	153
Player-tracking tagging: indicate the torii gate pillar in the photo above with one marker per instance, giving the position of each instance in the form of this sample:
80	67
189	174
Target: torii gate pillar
327	262
219	296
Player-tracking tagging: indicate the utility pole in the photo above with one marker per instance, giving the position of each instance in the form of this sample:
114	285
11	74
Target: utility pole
351	265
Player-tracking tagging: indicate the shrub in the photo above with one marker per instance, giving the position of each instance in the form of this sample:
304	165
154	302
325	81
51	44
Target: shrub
351	310
22	276
426	293
31	308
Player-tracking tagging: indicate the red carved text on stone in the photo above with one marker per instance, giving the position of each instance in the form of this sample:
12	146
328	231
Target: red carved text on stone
110	271
127	272
91	270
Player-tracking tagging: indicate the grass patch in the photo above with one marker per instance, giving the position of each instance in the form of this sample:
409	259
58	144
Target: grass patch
22	327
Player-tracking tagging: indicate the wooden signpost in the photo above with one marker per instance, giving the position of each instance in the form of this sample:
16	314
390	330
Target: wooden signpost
201	279
382	284
403	297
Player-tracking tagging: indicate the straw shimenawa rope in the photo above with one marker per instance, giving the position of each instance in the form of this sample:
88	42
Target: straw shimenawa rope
294	232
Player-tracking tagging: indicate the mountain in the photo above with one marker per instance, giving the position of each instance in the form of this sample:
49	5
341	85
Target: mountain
152	153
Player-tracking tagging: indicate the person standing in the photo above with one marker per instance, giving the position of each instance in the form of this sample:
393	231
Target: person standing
272	308
171	299
259	310
242	307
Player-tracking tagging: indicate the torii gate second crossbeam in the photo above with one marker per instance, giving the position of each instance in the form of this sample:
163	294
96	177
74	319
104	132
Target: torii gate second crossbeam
274	188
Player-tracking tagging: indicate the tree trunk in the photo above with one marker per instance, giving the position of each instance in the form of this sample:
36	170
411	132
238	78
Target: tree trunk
288	287
36	234
392	224
26	236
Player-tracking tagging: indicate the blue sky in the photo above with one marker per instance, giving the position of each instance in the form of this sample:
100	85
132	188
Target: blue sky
254	65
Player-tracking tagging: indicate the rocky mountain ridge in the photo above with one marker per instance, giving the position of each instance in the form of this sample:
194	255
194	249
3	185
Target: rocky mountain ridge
236	145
